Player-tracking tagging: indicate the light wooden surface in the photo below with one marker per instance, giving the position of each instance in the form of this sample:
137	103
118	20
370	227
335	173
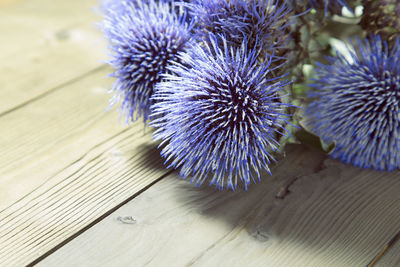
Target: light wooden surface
65	161
334	216
69	171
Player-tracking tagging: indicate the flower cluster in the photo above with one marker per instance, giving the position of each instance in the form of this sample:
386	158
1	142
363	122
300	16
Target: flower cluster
209	92
209	76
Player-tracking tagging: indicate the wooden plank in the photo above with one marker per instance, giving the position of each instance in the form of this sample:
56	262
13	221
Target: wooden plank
64	163
44	45
335	215
30	135
28	24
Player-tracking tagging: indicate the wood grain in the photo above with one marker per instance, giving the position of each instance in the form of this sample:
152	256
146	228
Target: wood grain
65	163
44	45
335	215
44	134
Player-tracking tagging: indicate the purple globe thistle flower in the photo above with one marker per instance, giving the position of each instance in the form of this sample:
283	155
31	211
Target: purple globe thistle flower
261	22
145	37
219	114
357	105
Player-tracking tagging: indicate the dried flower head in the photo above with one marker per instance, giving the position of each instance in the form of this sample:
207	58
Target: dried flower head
261	22
219	114
145	37
381	17
357	105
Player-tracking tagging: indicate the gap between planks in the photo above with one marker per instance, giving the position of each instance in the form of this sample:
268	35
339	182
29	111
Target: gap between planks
63	205
56	126
52	126
63	243
100	175
51	90
46	45
335	215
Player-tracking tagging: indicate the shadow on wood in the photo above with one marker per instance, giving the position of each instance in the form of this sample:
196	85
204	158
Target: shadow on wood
335	215
334	212
152	157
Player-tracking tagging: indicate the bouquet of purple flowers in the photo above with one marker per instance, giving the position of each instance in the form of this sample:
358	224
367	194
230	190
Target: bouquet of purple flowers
227	83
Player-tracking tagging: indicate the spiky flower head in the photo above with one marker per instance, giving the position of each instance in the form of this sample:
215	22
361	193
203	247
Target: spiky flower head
145	37
261	22
219	116
357	105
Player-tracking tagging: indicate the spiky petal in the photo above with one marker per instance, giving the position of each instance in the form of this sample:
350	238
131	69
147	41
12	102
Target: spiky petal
261	22
219	114
357	105
145	37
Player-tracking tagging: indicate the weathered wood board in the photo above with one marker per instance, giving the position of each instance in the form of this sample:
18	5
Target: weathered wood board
66	163
60	148
335	215
44	44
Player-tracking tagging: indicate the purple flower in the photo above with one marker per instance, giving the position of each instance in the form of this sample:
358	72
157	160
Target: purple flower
219	114
262	22
356	105
145	37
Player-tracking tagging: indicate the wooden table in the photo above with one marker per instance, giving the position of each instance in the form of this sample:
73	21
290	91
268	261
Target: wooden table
78	187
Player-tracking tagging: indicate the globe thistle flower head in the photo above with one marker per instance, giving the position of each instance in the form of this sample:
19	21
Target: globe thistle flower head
357	104
145	37
219	116
261	22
